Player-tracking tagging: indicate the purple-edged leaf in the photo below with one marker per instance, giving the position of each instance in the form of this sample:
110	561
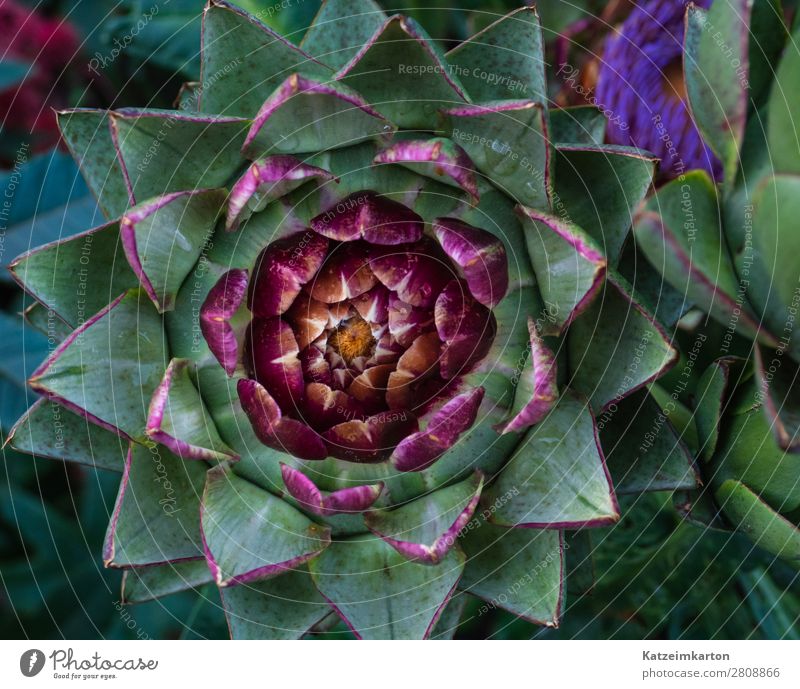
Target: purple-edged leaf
569	266
250	534
643	450
282	269
438	158
219	309
164	151
426	529
537	390
693	255
380	594
420	450
716	79
616	347
758	521
143	584
602	187
519	570
504	60
557	477
402	54
76	276
163	238
244	61
49	430
88	139
275	430
178	419
508	142
156	518
465	327
308	116
366	215
266	180
282	608
107	369
782	397
480	255
344	501
340	28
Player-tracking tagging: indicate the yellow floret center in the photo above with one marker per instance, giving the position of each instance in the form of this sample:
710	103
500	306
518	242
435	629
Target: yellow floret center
353	338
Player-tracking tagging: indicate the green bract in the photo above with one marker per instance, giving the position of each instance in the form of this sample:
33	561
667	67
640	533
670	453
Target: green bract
731	251
356	333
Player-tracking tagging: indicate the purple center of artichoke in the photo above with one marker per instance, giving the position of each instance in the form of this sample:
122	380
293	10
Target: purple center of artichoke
362	325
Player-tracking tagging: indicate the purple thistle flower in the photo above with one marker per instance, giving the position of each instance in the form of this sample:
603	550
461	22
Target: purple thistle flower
641	82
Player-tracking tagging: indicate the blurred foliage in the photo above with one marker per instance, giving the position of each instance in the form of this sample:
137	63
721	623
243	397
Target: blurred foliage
656	577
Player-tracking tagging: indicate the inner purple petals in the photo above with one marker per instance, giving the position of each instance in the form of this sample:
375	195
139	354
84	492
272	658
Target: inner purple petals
369	216
466	327
282	269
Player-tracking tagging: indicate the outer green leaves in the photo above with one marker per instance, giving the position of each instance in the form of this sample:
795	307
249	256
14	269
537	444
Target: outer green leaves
309	116
141	584
507	141
87	135
616	347
50	430
424	530
380	594
244	60
679	232
285	607
77	276
557	476
165	151
783	133
716	74
582	124
504	60
107	369
519	570
178	418
643	449
568	264
402	73
156	518
777	208
250	534
163	239
340	29
600	187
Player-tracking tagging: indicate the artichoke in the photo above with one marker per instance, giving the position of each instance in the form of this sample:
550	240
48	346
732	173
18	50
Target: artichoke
348	326
730	249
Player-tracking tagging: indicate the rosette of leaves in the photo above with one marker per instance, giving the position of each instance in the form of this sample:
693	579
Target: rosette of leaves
348	327
730	249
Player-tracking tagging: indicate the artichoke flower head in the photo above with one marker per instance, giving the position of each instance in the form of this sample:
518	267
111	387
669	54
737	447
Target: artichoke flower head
350	327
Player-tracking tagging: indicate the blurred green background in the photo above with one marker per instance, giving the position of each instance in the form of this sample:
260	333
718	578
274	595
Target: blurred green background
651	576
